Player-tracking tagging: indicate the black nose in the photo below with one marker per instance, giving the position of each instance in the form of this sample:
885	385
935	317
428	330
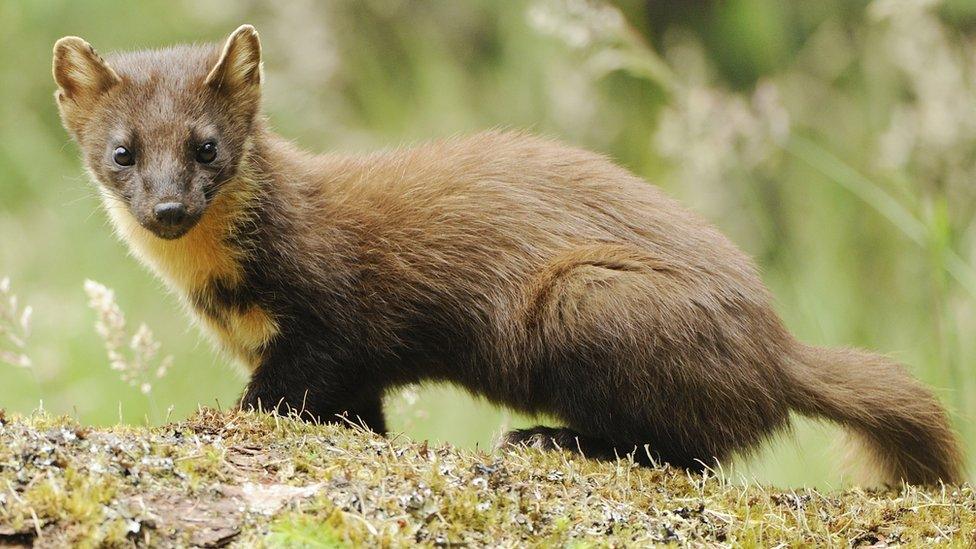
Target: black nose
170	213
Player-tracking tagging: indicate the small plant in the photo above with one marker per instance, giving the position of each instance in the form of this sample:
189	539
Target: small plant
136	361
15	327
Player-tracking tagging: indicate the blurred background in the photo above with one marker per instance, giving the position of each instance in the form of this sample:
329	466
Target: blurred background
835	141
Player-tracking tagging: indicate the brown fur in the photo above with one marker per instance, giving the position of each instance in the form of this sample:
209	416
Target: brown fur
542	277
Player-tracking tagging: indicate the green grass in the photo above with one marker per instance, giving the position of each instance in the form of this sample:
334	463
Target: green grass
856	253
298	530
256	480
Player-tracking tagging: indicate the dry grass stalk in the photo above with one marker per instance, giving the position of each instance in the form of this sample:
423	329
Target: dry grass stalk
135	356
15	327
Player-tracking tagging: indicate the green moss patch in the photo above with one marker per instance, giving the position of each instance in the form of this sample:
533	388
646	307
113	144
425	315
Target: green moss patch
223	478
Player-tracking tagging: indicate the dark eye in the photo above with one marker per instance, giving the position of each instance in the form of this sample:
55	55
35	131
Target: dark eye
207	152
122	156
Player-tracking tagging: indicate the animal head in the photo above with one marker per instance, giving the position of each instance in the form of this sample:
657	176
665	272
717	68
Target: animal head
162	131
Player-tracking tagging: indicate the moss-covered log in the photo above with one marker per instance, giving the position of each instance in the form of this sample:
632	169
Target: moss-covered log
246	479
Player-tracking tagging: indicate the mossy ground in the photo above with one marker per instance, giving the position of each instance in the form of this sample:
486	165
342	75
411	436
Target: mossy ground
253	480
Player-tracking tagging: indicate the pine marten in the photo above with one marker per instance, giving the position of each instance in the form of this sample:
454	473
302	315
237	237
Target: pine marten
539	276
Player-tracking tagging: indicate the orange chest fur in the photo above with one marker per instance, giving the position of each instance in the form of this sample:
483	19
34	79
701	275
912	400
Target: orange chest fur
188	265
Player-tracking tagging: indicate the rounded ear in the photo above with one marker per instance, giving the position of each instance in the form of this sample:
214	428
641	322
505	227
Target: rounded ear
238	71
79	71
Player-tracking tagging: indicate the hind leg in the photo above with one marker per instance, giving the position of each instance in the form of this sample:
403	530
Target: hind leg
556	438
632	349
566	439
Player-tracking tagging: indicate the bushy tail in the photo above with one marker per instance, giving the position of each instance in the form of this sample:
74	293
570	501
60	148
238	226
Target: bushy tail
903	426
